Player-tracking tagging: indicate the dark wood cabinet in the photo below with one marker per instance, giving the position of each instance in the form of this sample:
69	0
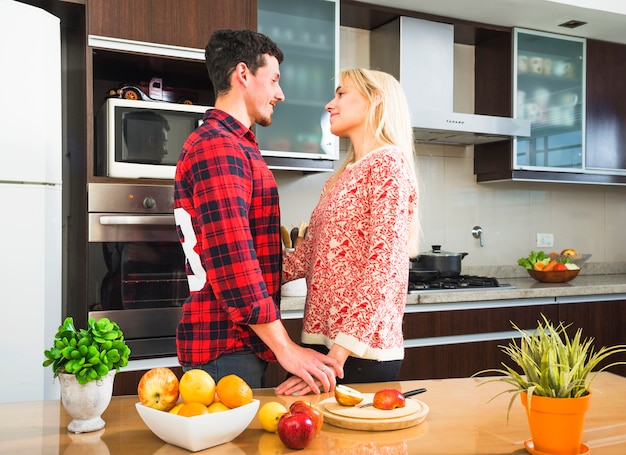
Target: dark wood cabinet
606	106
605	152
604	321
468	339
472	343
188	23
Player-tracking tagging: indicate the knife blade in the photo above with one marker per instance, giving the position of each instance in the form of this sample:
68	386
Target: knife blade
408	394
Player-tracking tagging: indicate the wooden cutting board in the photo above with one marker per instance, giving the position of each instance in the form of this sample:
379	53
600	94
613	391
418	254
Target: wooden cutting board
372	419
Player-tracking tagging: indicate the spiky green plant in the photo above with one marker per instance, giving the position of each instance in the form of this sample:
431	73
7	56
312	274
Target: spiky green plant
552	364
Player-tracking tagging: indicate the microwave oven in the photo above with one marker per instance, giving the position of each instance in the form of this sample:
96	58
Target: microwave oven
143	139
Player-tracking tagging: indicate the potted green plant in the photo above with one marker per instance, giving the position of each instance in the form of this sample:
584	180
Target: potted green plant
553	374
86	361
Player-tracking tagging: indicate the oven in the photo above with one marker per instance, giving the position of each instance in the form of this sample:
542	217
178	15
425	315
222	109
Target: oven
136	266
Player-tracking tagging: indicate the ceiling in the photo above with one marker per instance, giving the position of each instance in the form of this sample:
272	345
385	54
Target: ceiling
544	15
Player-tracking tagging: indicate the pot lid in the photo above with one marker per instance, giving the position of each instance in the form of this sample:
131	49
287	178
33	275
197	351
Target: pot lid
436	250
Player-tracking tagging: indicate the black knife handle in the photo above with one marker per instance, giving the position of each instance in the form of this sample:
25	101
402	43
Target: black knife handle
410	393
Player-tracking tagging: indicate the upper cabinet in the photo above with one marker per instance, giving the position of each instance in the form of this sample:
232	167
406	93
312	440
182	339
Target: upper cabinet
606	107
307	31
549	87
187	23
132	41
574	93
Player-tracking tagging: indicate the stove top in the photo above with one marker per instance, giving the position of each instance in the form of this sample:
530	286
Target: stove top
460	283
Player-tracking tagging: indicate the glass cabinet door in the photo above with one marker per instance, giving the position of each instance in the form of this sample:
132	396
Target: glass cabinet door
307	33
549	88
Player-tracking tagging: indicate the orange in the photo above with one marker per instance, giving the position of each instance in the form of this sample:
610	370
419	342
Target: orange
192	408
197	385
233	391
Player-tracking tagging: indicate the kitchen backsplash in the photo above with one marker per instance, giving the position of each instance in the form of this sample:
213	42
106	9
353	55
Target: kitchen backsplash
589	218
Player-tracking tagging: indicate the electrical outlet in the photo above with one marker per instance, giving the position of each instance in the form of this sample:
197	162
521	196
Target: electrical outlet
545	240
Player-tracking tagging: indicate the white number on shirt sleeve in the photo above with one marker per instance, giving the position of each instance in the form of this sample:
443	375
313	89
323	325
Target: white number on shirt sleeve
198	279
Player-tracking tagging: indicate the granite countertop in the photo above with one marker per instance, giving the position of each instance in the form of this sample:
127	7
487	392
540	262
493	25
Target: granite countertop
594	279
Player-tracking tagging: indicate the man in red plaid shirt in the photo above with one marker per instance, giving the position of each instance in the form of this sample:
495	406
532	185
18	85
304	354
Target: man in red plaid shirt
227	212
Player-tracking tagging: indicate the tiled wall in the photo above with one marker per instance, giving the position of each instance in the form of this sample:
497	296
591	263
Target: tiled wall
589	218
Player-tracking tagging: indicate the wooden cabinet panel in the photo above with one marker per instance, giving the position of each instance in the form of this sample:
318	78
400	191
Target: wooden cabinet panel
462	322
604	321
187	24
452	361
606	105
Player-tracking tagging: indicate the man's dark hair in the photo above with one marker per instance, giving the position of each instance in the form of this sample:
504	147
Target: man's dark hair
227	48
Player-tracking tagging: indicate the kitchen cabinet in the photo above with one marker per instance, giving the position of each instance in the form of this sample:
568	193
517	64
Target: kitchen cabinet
186	24
446	342
549	87
600	109
117	42
602	320
307	33
606	107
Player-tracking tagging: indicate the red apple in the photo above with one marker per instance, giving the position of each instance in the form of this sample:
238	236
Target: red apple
158	389
389	399
296	429
311	410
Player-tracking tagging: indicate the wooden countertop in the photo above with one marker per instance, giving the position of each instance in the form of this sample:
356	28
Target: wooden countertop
461	421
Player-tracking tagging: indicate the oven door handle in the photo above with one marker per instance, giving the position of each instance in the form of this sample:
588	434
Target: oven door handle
147	220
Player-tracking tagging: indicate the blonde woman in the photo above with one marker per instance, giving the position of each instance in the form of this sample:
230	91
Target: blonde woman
355	256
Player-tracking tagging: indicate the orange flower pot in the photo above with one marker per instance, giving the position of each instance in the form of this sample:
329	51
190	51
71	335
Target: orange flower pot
556	424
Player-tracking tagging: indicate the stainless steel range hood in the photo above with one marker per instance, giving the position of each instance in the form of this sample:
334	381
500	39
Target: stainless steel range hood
421	55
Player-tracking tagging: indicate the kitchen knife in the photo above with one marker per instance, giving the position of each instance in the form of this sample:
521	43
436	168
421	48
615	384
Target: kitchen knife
408	394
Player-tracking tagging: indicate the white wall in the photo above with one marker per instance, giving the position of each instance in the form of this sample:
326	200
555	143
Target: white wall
590	218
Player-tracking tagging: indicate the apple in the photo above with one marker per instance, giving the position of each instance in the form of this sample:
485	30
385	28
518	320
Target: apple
316	415
347	396
158	389
296	429
388	399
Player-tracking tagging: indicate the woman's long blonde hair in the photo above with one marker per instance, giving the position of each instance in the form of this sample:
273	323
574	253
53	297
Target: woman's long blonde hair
389	120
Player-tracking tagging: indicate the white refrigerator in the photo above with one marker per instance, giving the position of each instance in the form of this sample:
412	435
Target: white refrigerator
30	198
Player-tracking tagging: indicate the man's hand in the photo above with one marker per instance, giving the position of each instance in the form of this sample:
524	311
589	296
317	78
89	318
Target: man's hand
298	386
310	366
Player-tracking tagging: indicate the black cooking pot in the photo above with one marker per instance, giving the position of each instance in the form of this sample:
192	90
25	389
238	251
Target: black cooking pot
422	276
446	263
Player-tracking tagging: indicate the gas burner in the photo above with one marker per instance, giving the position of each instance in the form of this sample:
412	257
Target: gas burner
462	282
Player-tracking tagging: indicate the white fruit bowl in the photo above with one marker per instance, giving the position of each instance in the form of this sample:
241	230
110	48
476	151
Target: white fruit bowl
199	432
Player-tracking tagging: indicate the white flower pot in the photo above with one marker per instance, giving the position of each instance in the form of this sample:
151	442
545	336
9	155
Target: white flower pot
85	403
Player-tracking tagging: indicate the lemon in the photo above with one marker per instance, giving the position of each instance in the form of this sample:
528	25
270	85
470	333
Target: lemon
197	385
176	408
269	415
217	406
